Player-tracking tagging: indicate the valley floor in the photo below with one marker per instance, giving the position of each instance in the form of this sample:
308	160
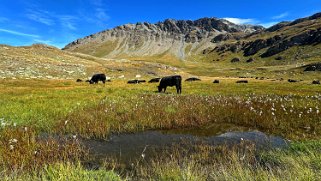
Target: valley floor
42	122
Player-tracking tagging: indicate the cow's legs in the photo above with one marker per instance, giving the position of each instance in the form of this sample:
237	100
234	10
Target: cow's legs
165	89
179	89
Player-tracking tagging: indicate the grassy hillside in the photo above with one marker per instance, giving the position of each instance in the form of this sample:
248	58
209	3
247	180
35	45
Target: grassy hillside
44	62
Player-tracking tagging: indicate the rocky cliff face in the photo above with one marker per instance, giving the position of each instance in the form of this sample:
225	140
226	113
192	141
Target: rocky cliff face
276	39
177	38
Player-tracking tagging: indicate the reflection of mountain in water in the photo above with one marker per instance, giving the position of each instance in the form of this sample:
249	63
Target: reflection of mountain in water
130	146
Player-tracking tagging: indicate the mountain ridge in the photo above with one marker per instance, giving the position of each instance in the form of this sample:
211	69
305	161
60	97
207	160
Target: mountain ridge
169	36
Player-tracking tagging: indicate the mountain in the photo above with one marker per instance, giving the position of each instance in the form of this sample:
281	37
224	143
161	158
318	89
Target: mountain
177	38
206	40
277	39
205	47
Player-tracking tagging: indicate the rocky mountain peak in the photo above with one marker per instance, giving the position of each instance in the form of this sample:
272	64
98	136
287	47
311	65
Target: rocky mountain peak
170	35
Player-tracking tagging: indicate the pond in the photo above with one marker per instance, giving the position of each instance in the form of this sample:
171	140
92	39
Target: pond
130	147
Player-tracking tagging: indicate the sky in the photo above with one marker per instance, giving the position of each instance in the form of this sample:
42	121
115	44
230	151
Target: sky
59	22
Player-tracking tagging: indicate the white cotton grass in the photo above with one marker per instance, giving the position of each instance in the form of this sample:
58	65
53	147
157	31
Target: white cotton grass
11	147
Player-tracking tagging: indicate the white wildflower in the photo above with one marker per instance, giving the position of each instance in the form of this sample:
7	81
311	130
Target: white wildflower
3	124
11	147
13	140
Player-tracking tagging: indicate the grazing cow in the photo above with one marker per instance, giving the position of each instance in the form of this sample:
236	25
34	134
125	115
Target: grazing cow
192	79
136	81
132	82
316	82
216	81
154	80
97	77
242	81
291	80
78	80
171	81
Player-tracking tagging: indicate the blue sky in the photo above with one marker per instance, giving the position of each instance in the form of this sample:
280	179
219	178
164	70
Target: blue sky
58	22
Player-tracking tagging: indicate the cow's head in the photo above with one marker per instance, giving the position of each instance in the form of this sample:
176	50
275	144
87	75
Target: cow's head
159	88
91	82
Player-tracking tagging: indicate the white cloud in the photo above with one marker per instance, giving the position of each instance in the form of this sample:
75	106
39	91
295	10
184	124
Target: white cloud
51	18
68	21
40	16
241	21
42	41
280	16
268	24
18	33
100	13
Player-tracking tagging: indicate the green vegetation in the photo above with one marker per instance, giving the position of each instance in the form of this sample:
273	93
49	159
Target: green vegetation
41	122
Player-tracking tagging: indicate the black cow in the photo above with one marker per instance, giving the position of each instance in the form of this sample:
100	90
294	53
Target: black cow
135	81
97	77
132	82
154	80
171	81
192	79
216	81
242	81
78	80
316	82
292	80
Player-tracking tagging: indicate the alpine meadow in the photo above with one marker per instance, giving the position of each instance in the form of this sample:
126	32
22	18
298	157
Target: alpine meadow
203	99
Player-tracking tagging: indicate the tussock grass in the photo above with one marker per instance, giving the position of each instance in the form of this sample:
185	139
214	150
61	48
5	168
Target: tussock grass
290	116
22	150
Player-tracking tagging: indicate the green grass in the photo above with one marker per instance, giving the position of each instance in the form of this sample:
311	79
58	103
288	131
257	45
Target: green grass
95	111
67	171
